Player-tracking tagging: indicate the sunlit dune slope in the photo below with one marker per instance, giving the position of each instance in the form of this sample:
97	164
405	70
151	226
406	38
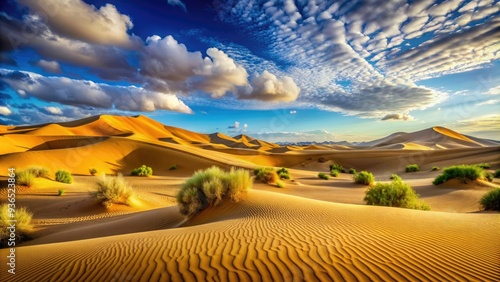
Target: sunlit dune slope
274	237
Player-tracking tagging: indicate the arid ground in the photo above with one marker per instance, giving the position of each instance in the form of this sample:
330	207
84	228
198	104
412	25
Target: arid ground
311	230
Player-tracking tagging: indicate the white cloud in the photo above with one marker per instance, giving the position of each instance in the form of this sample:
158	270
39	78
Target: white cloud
54	110
5	111
49	66
489	102
493	91
293	112
267	87
234	125
404	117
177	3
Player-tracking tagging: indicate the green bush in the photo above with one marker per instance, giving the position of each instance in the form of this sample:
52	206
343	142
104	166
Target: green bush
395	177
394	194
491	200
488	176
92	171
334	173
435	168
337	167
266	175
23	224
38	171
142	171
483	165
60	192
209	187
461	172
113	190
364	177
280	184
497	173
352	171
283	173
172	167
323	176
25	178
64	176
412	168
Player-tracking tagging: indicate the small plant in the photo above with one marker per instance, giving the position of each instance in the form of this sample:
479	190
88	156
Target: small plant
364	177
323	176
435	168
497	173
64	176
113	190
337	167
352	171
266	175
172	167
60	192
484	165
461	172
491	200
39	171
395	194
22	219
143	171
334	173
280	184
92	171
25	178
395	177
488	176
412	168
283	173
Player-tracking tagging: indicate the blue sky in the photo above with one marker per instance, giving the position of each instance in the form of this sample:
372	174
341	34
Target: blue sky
299	70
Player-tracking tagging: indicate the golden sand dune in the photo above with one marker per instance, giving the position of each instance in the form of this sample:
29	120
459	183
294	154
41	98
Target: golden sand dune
269	237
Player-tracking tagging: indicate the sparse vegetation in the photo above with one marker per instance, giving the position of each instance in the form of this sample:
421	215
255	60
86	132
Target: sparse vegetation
172	167
461	172
394	176
394	194
23	224
60	192
92	171
352	171
364	177
497	173
334	173
323	176
283	173
266	175
412	168
488	176
209	187
38	171
280	184
337	167
484	165
113	190
435	168
491	200
25	178
143	170
64	176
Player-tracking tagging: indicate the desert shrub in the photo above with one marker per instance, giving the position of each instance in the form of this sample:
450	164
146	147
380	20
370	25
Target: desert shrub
337	167
38	171
491	200
483	165
143	170
25	178
334	173
461	172
23	224
266	175
352	171
172	167
64	176
396	177
283	173
60	192
280	184
92	171
113	190
435	168
412	168
364	177
209	187
497	173
488	176
323	176
394	194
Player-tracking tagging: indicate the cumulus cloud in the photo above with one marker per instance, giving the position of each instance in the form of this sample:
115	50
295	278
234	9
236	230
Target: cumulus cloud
493	91
397	117
177	3
5	111
235	125
293	112
267	87
88	93
49	66
54	110
78	20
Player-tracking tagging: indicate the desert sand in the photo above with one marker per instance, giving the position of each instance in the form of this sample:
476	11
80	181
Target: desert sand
312	230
